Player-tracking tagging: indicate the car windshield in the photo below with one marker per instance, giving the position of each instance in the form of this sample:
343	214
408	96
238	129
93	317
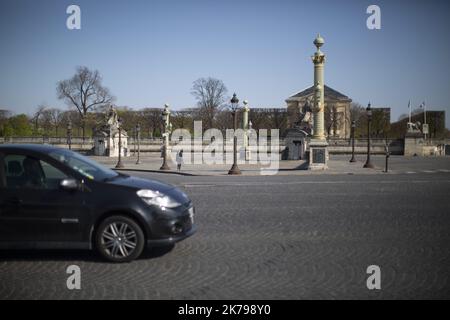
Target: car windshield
85	166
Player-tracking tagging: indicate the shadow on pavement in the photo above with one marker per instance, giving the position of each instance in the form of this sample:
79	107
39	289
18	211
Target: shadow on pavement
73	255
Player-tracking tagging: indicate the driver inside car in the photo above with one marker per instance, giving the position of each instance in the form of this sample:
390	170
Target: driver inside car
33	175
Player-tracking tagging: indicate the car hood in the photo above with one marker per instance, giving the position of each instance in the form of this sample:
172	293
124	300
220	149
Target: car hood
138	183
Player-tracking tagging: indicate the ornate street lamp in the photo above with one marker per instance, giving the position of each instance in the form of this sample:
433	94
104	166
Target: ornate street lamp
134	141
234	108
368	164
119	164
165	116
246	128
353	141
138	137
69	134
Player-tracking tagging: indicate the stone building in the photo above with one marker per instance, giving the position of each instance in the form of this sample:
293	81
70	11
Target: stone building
337	111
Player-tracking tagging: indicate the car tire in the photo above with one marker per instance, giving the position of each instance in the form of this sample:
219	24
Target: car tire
119	239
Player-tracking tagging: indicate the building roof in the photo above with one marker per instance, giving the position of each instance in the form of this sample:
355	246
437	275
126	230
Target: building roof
329	94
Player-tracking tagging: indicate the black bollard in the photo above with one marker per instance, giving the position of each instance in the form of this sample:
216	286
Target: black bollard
387	163
386	150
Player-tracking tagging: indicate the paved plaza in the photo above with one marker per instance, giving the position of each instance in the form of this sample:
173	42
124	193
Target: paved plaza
278	237
165	90
338	164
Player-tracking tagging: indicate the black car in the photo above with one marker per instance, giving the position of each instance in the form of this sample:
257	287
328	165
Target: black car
55	198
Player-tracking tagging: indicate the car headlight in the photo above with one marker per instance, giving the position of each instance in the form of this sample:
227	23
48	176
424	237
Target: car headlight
157	198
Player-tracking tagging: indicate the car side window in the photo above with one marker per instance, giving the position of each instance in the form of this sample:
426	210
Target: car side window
53	175
25	172
2	172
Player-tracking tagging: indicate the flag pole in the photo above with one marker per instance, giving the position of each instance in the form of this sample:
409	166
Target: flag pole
425	116
424	112
409	107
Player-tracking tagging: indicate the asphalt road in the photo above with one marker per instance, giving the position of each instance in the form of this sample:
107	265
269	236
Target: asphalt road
279	237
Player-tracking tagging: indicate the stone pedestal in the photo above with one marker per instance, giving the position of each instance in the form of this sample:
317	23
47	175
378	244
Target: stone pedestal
318	155
248	154
296	144
414	144
106	143
106	138
114	145
245	153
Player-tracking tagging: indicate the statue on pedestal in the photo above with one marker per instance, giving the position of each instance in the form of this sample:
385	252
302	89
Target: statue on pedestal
305	120
414	127
112	119
106	137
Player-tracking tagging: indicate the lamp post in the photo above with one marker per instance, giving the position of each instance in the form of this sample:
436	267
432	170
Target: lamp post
138	137
245	127
234	108
353	141
425	125
166	119
368	164
250	128
388	154
119	164
69	134
134	141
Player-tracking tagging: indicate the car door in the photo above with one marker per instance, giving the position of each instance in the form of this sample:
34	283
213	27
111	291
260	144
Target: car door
34	208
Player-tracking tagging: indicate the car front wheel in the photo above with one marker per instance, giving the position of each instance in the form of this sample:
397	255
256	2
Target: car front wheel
119	239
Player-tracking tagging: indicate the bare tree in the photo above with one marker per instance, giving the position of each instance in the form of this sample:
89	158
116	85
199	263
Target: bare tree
183	119
357	111
210	94
71	116
153	122
51	119
37	117
85	92
258	119
130	118
224	119
4	115
332	119
279	120
358	114
380	123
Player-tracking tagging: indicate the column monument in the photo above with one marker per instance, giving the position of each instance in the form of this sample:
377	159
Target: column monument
318	151
166	135
245	127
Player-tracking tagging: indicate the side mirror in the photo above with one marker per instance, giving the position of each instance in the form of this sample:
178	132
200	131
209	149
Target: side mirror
69	184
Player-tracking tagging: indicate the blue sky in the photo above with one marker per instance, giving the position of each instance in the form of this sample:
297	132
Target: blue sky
150	52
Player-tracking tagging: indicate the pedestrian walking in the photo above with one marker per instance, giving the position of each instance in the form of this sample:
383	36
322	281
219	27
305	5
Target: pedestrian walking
179	159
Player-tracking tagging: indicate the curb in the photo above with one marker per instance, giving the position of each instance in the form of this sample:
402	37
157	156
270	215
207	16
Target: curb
307	173
159	171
